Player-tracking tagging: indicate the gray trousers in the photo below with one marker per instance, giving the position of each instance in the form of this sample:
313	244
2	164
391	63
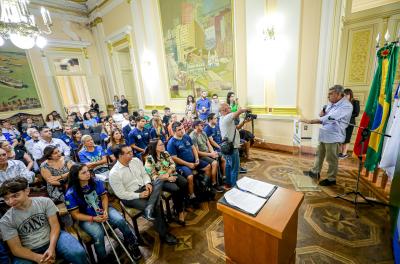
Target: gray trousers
330	151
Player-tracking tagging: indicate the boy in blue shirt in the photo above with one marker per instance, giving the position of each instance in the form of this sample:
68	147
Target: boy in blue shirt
185	155
203	106
139	137
213	132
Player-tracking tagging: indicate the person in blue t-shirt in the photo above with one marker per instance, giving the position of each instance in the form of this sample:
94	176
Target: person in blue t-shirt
203	106
185	155
93	156
129	127
213	132
87	201
67	135
139	137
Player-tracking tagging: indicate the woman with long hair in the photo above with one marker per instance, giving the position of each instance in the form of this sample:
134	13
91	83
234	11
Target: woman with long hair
89	121
87	202
187	121
159	165
54	168
116	138
17	154
348	93
158	130
173	119
76	143
190	104
52	123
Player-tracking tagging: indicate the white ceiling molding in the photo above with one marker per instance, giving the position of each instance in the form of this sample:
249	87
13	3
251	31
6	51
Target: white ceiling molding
117	35
62	16
104	10
67	43
72	6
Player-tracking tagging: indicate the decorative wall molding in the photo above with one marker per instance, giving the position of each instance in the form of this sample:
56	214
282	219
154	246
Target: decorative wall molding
67	43
119	34
95	22
104	7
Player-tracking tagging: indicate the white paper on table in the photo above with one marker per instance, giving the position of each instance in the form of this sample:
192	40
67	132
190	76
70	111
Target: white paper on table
246	201
257	187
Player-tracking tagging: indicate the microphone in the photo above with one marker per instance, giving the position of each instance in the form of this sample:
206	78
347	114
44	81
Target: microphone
331	118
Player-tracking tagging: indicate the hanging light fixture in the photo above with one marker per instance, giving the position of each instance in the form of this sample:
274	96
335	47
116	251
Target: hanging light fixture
18	24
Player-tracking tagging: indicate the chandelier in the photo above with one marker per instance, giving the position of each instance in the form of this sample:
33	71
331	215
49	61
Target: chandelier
18	24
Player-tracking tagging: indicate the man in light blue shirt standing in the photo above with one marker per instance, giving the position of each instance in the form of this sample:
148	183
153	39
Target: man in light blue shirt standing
203	106
334	119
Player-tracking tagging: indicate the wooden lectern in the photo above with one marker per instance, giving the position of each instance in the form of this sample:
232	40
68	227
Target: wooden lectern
268	238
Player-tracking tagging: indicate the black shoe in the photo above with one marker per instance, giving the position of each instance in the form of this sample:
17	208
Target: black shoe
148	213
311	174
194	203
135	251
242	170
327	182
217	188
170	239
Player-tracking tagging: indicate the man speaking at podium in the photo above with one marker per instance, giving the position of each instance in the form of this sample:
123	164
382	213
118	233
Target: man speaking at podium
334	119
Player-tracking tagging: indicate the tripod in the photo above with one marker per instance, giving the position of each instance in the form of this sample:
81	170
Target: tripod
365	133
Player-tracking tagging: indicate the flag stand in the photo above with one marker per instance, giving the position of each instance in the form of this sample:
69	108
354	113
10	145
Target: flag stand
364	136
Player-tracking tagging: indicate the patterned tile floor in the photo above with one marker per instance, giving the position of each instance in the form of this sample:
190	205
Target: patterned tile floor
328	230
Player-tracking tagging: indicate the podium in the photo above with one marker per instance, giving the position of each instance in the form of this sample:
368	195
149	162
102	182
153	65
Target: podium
270	237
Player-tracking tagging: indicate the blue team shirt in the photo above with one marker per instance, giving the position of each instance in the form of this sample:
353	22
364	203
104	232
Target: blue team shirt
206	103
182	148
153	135
214	132
96	155
64	137
125	130
91	202
139	138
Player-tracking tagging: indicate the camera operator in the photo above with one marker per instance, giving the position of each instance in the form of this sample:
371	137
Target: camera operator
246	137
230	133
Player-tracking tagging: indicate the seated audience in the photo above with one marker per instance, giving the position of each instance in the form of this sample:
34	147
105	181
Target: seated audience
71	122
7	137
31	228
17	154
158	131
103	116
167	116
78	117
94	114
54	168
146	117
128	128
93	156
133	186
139	137
125	122
207	153
186	158
174	118
87	201
88	121
46	139
187	121
13	168
10	131
76	142
53	124
213	132
159	165
33	133
116	139
67	135
117	117
25	126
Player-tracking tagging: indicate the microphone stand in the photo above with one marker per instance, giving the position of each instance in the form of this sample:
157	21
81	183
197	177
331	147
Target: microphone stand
365	133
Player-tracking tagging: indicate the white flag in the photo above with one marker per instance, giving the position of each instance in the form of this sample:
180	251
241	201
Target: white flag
391	145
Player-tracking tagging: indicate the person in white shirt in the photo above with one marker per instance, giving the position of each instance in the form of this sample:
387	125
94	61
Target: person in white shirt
52	123
125	122
47	139
118	117
10	130
13	168
33	133
133	186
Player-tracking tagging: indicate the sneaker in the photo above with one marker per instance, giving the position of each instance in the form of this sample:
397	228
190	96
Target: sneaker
217	188
242	170
169	239
135	252
327	182
343	156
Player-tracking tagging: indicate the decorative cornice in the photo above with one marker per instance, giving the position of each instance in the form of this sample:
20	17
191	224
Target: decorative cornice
284	111
62	5
95	22
258	109
68	43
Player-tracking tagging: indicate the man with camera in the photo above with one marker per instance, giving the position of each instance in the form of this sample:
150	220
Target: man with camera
230	143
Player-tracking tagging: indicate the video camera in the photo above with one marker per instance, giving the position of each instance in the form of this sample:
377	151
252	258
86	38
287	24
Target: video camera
249	115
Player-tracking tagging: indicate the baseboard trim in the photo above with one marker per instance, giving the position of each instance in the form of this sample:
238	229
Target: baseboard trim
284	148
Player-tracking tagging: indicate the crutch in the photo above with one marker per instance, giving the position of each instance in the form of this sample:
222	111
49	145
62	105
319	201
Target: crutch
93	204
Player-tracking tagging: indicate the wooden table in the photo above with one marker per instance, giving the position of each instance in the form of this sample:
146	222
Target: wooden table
268	238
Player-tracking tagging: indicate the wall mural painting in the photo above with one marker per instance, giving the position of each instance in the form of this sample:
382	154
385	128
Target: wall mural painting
198	41
17	87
